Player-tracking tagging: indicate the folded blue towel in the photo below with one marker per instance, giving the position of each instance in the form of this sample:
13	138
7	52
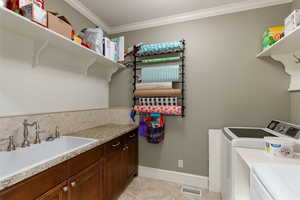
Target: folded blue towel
160	73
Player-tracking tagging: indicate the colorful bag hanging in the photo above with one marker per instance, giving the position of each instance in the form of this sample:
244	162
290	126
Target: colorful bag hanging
155	128
143	125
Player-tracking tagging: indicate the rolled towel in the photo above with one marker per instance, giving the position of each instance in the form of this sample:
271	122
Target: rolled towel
157	93
156	85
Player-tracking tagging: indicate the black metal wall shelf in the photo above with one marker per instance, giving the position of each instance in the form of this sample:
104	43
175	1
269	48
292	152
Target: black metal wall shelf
138	57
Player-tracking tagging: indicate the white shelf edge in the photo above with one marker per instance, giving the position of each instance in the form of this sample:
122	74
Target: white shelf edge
56	36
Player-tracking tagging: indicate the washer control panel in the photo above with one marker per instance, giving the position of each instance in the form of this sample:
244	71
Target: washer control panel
285	128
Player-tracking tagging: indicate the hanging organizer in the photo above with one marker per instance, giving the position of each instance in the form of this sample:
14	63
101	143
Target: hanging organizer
168	96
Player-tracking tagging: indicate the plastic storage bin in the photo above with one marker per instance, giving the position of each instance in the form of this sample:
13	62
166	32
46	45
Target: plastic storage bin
94	36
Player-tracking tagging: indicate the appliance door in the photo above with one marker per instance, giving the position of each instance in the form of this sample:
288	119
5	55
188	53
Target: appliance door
226	170
257	189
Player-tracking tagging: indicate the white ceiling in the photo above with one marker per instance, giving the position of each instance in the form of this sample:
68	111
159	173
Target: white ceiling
117	16
121	12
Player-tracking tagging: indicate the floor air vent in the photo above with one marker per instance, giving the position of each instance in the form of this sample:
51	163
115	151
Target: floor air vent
191	191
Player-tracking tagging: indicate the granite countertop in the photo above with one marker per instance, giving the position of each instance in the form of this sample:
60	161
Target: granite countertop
104	133
101	134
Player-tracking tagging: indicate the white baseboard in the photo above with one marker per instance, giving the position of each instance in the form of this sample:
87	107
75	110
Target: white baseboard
172	176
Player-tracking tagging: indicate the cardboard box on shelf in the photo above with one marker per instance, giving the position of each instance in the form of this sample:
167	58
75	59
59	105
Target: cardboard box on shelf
59	26
16	5
35	13
292	22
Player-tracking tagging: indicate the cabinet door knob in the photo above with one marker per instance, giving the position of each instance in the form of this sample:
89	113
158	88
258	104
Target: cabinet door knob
65	189
73	184
132	136
115	145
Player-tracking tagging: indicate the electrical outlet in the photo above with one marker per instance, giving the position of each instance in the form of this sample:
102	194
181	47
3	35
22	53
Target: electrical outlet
180	163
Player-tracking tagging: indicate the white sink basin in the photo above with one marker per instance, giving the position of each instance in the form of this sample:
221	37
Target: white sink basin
12	163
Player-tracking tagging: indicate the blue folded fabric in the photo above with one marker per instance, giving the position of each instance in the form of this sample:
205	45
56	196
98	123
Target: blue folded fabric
162	46
160	73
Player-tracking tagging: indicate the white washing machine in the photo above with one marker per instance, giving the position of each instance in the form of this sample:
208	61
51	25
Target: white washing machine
257	189
275	182
248	137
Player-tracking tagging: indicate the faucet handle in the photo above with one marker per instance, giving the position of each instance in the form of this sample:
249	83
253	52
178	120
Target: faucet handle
11	145
57	132
37	133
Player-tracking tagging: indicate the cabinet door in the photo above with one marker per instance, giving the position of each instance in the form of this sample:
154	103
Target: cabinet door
60	192
132	153
85	185
125	165
32	188
113	166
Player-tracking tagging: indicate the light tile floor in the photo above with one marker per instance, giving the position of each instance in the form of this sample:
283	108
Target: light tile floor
152	189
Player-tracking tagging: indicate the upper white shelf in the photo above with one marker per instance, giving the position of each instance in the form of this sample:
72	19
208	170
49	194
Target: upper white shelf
13	22
287	45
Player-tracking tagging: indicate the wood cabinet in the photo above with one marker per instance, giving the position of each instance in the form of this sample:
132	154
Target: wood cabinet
121	164
99	174
113	169
60	192
130	157
132	148
85	185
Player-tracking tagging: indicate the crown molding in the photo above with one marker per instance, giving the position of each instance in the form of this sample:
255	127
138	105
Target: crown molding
77	5
187	16
198	14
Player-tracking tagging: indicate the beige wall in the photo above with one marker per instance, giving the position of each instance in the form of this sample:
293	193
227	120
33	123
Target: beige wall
296	4
20	83
295	96
77	20
226	85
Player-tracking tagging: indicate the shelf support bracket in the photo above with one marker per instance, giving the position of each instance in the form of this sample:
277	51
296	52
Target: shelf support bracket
38	49
87	66
292	68
110	72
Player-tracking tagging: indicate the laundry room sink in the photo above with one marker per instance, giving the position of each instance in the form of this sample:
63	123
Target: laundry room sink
24	159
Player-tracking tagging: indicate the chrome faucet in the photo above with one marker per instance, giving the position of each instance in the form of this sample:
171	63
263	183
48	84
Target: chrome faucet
11	145
26	142
37	133
57	132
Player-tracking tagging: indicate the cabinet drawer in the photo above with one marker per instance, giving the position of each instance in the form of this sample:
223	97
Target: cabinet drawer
84	160
34	187
113	146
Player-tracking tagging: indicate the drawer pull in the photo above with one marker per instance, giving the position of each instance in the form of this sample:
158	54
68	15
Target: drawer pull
115	145
73	184
65	189
132	136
